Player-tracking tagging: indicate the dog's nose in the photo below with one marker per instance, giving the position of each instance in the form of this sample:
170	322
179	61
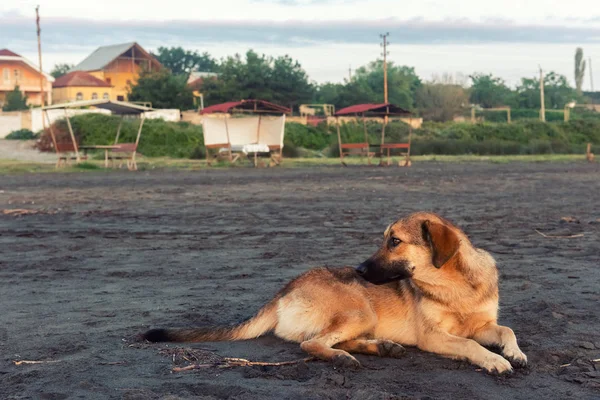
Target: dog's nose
361	269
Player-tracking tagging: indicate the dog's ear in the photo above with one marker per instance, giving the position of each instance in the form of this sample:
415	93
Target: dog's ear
442	241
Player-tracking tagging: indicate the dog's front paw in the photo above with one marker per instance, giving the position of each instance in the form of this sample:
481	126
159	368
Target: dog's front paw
495	364
516	357
387	348
345	361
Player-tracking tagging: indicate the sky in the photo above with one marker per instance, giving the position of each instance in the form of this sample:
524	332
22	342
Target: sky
508	38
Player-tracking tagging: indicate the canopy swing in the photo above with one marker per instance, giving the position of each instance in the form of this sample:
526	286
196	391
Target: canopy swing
126	151
259	131
364	111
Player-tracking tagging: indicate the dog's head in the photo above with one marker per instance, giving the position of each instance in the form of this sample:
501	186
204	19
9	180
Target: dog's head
413	247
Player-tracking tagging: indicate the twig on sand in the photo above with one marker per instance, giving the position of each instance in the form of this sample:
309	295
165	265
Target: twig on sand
24	211
22	362
558	236
240	362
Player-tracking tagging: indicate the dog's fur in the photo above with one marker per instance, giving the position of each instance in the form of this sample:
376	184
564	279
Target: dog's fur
427	286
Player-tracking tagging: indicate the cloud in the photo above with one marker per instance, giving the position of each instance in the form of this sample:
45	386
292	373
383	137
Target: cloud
60	34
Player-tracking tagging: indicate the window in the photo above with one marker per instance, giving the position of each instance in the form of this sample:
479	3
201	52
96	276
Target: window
120	98
79	96
17	75
94	96
6	74
108	81
105	96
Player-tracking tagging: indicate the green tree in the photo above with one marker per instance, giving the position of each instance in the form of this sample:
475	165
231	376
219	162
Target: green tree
163	90
489	91
281	80
61	69
441	101
557	92
15	101
579	69
182	62
366	86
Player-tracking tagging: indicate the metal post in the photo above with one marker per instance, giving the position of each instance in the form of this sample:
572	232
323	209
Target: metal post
119	129
77	158
51	130
228	140
337	122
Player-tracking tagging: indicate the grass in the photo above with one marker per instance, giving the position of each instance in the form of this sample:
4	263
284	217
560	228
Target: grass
10	167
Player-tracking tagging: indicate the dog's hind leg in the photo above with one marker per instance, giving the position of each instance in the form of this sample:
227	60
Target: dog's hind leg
381	348
502	336
342	329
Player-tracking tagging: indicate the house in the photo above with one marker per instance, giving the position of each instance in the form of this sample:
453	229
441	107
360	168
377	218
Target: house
16	70
80	85
119	66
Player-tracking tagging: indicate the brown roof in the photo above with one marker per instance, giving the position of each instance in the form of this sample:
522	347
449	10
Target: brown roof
7	52
79	78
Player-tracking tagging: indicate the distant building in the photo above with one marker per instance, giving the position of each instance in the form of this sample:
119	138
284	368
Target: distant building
80	85
195	81
119	66
16	70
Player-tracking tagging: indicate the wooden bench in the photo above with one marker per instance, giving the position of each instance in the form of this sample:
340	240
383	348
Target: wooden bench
388	147
66	151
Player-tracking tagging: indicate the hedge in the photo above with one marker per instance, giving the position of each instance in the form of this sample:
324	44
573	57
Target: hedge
184	140
21	134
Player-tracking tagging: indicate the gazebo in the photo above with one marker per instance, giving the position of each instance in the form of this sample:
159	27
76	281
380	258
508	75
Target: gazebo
364	111
247	127
121	108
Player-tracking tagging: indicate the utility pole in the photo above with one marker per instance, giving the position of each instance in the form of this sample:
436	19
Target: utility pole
591	81
591	75
385	53
542	105
39	31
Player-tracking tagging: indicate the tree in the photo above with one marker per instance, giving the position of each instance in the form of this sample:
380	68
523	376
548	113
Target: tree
15	101
440	101
281	80
557	92
182	62
488	91
61	69
163	90
366	86
579	69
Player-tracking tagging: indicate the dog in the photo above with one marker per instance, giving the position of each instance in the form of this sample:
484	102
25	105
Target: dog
426	286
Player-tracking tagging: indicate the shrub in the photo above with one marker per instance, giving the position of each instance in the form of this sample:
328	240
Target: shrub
21	134
159	137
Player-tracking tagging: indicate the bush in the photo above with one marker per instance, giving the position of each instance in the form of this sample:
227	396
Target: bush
184	140
21	134
159	138
306	136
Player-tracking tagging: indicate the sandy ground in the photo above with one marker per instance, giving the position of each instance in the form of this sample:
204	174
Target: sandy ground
111	254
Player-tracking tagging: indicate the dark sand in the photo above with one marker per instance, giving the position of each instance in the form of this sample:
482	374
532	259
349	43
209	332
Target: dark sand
117	253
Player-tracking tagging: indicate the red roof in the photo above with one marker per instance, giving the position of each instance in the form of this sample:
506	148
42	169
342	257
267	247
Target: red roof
7	52
373	109
79	78
246	105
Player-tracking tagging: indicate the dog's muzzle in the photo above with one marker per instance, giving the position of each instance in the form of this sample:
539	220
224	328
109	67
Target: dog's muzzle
379	274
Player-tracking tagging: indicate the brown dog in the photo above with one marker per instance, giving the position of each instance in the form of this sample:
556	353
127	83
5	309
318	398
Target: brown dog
427	286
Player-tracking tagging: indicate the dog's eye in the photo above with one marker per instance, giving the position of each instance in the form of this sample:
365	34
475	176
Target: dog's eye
395	242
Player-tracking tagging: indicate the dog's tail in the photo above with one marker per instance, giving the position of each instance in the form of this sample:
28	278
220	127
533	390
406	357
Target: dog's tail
264	321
